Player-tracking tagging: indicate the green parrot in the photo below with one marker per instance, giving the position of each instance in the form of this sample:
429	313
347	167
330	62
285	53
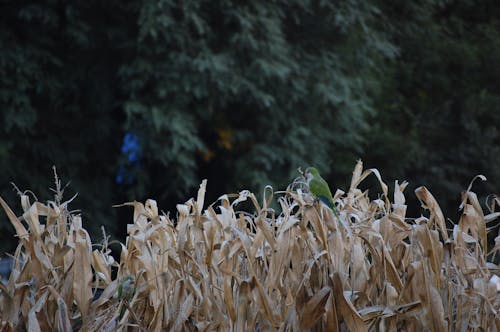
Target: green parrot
319	187
126	290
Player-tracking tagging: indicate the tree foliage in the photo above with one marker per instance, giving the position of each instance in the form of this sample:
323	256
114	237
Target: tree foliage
244	93
439	116
246	89
59	104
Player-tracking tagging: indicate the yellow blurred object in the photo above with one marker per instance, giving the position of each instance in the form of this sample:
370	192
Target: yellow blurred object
225	138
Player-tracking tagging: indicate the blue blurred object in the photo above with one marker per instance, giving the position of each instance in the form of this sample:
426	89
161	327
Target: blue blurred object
131	149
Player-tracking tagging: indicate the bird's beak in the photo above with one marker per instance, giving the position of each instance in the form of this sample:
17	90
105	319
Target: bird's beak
307	175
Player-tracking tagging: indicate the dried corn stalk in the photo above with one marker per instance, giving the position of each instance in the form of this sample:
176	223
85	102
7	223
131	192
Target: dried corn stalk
217	269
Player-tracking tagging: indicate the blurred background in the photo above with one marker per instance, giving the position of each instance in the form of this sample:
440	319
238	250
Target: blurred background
144	99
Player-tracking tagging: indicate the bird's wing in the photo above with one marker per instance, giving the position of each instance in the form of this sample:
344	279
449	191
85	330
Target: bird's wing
319	187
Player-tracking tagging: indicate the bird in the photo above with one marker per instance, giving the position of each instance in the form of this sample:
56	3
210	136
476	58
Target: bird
126	290
319	187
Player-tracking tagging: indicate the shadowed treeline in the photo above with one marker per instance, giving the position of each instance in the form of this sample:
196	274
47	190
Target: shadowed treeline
146	98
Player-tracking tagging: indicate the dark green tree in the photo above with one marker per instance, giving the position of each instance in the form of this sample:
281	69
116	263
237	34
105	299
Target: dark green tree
244	93
438	117
60	104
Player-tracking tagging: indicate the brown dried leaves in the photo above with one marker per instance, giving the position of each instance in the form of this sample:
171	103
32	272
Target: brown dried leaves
303	269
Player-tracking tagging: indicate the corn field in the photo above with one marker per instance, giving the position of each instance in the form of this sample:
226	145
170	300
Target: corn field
290	264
